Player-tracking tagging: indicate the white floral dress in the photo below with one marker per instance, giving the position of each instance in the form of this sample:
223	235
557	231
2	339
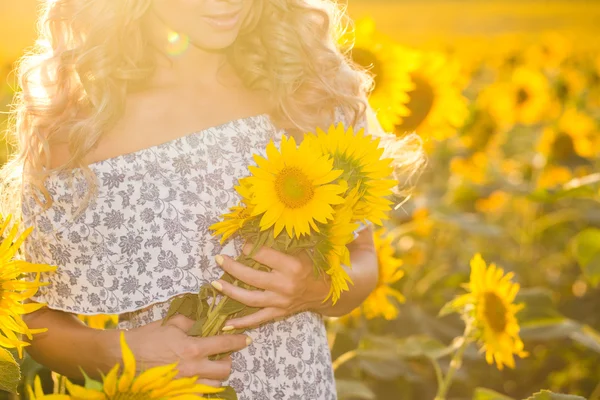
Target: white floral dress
145	239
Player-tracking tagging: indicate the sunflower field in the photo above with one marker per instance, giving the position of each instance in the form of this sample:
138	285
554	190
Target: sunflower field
489	283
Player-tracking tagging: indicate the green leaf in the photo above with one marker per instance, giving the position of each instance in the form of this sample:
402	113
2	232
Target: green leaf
447	309
487	394
539	305
586	248
227	394
422	346
547	395
562	329
173	307
185	305
91	383
189	306
202	310
379	357
10	373
231	306
382	365
456	305
196	329
541	321
352	390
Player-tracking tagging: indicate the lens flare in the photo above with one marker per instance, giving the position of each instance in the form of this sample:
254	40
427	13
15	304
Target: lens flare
178	43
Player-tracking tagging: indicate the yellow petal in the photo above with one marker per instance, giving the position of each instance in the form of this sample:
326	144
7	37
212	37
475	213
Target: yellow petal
128	365
110	381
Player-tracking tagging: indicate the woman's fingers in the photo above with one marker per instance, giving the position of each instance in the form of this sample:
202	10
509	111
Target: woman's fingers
212	370
181	321
218	370
213	345
258	318
272	258
252	298
259	279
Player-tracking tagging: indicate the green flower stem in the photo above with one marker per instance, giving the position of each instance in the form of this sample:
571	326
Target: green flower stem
343	359
455	365
438	372
215	320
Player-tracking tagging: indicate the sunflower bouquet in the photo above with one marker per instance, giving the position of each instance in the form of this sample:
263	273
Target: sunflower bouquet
307	198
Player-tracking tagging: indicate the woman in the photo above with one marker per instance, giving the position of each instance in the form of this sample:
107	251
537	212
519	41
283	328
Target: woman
112	92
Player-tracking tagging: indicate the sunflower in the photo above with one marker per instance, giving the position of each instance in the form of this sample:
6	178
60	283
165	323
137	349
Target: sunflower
381	301
569	86
524	98
507	53
421	218
293	188
437	106
37	393
100	321
493	204
331	252
553	176
232	222
574	138
550	52
238	215
473	168
593	83
482	131
490	304
154	383
391	64
359	157
14	290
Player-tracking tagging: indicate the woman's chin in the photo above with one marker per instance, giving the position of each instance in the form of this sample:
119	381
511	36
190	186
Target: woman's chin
218	41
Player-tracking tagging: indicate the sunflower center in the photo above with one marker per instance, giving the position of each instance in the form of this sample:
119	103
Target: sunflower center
563	148
595	78
353	167
563	90
522	96
512	60
293	187
420	103
494	312
483	127
131	396
368	59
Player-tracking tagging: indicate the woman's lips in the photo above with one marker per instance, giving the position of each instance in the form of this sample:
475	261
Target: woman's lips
223	21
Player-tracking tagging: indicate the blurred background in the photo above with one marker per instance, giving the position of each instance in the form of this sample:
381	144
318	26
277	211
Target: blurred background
506	96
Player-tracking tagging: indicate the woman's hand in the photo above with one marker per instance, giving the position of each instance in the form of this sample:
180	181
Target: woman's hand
155	344
290	287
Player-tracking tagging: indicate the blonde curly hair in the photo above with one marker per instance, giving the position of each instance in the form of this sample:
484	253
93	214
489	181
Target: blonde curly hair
91	53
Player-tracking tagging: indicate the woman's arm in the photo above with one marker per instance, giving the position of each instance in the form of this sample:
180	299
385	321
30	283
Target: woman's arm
69	344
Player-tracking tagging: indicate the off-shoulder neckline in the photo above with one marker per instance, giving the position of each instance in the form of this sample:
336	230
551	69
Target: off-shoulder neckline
178	139
170	142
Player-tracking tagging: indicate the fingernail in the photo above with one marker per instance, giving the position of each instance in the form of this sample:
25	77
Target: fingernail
219	259
217	285
228	328
248	340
